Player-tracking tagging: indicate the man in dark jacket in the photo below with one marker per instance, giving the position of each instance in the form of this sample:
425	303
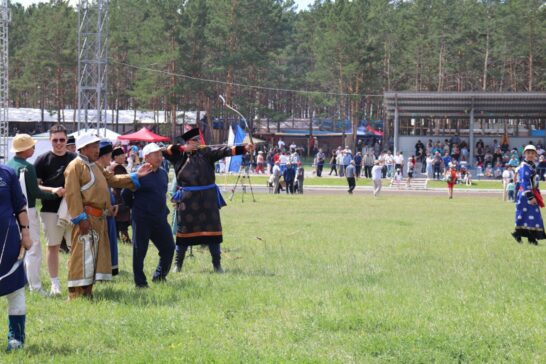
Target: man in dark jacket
289	175
149	218
198	198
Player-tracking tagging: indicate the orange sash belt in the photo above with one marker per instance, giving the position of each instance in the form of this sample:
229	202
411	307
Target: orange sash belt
93	211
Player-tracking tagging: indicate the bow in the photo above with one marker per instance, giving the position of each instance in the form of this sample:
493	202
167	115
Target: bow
17	264
241	115
19	260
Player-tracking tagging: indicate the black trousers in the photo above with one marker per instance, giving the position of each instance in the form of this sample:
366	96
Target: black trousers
436	174
320	166
289	187
181	249
160	233
352	183
368	171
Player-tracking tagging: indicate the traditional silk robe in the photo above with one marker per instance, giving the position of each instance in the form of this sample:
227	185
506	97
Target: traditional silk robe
198	212
86	184
528	219
12	201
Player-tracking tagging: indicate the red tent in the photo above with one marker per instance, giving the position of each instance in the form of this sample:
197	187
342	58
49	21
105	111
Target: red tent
369	129
144	135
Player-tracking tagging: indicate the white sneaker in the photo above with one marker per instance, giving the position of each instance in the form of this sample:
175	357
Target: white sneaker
55	290
14	345
40	291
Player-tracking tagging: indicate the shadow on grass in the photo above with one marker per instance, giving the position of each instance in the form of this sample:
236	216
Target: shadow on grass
158	294
125	274
49	349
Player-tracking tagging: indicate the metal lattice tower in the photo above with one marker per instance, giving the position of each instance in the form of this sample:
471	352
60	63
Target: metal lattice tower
92	63
4	80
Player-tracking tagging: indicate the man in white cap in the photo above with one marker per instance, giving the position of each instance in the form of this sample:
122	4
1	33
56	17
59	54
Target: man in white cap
88	202
23	147
149	218
50	169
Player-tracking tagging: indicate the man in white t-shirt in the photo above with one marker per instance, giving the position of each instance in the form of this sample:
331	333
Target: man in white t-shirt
389	162
399	162
376	178
292	147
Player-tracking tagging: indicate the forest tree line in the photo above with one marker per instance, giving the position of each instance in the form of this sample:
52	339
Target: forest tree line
334	59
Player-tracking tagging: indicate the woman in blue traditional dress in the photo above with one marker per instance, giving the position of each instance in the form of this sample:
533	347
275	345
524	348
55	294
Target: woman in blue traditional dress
528	219
14	233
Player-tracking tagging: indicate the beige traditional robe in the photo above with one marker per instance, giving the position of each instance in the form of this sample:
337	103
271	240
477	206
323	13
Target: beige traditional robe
86	184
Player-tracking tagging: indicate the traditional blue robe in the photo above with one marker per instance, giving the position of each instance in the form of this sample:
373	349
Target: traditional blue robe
528	219
12	201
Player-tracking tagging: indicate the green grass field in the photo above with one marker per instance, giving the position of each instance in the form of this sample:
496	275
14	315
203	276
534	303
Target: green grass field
346	279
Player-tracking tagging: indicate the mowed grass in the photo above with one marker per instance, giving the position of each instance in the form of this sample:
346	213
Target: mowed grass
261	180
311	278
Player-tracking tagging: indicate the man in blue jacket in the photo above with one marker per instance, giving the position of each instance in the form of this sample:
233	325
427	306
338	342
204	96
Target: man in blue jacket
149	215
289	175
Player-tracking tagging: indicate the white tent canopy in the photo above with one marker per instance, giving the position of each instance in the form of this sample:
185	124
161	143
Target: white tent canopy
111	118
43	145
102	133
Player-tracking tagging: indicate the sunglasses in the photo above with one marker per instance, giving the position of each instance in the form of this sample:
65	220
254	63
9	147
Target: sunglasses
61	140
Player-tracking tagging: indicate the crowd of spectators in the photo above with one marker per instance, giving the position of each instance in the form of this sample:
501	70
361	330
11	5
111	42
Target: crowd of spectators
430	159
490	160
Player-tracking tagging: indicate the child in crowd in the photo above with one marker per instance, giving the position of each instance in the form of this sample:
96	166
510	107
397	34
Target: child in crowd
411	169
511	189
397	178
451	178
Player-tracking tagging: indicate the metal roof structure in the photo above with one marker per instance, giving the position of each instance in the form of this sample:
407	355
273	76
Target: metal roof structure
458	105
463	105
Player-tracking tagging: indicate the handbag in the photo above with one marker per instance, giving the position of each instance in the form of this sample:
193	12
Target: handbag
538	197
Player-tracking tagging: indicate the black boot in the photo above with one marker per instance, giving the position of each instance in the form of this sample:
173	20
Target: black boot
517	237
16	334
180	254
216	263
533	241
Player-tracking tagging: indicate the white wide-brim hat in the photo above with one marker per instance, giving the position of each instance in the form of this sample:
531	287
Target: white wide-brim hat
86	139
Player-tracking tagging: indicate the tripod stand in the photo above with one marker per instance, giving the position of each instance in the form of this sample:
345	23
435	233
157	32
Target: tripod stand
243	173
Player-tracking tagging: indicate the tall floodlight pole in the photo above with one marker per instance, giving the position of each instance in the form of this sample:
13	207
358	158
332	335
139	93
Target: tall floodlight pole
92	63
4	81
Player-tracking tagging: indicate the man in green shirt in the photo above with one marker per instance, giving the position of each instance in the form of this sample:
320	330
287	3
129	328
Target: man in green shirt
23	147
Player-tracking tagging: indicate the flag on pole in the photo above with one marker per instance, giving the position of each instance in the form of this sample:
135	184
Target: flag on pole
231	138
238	137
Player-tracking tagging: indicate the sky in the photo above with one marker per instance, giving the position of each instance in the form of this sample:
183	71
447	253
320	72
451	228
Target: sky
302	4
